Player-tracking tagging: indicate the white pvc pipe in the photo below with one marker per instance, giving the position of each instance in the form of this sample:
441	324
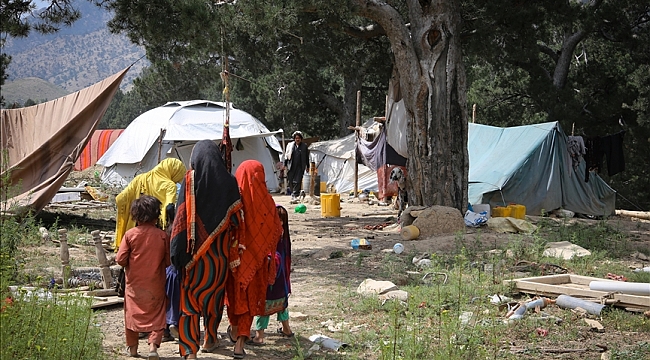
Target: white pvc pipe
569	302
622	287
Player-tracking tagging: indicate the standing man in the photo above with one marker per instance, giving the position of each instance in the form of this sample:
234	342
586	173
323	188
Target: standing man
296	160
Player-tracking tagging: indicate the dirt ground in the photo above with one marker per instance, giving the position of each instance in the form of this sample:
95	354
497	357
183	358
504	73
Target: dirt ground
319	279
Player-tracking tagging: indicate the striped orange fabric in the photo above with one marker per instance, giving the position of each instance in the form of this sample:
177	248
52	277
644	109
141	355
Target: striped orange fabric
96	147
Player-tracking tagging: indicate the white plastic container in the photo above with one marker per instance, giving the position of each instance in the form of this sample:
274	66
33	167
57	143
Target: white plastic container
479	208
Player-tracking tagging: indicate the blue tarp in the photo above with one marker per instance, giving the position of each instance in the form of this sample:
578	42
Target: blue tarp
530	165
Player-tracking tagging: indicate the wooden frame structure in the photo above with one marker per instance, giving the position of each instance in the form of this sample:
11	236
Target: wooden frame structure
577	286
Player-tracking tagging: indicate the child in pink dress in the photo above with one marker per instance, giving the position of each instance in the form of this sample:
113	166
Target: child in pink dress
144	254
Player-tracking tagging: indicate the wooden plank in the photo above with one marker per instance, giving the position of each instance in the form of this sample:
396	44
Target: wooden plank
546	289
550	279
585	280
106	301
65	197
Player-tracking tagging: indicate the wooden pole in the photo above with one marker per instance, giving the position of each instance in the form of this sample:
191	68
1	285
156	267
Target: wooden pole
356	163
473	113
386	110
160	140
65	257
645	215
312	178
284	148
105	270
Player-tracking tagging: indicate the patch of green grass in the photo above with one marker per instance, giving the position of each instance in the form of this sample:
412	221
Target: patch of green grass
640	351
599	237
40	326
431	325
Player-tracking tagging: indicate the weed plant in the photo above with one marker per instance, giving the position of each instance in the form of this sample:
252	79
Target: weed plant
38	325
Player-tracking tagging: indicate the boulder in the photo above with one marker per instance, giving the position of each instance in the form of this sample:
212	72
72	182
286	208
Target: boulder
374	287
406	218
439	220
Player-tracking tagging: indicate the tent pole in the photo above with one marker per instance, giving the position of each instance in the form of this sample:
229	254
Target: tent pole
473	113
386	109
356	162
284	174
160	140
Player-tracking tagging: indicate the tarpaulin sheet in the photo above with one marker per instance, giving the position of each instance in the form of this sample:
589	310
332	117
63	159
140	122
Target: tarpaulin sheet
530	165
42	142
96	147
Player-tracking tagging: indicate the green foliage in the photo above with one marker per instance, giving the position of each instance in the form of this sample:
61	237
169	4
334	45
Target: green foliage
123	109
291	62
39	325
639	352
14	22
523	68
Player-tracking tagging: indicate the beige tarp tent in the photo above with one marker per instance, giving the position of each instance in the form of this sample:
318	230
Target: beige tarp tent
41	143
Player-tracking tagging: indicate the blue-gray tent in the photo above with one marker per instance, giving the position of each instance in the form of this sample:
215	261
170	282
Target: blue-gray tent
531	165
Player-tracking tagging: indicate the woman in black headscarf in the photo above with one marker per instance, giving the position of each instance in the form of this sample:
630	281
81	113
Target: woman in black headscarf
205	227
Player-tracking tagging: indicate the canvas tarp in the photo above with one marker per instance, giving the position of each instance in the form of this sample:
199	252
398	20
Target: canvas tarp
184	123
42	142
335	160
96	147
530	165
527	165
397	120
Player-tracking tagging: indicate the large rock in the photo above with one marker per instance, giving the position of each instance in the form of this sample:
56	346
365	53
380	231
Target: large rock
374	287
406	218
438	220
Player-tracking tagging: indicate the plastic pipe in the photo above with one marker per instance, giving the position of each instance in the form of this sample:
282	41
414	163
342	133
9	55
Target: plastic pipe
569	302
541	303
622	287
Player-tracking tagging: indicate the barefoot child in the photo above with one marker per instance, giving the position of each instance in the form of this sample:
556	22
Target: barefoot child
144	254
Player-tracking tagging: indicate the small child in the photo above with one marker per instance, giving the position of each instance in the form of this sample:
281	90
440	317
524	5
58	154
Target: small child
144	254
277	295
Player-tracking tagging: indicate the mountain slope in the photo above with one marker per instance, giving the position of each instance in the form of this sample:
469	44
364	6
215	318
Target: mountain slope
75	57
36	89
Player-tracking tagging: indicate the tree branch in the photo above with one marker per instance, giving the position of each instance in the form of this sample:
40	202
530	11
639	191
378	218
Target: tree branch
359	32
399	35
561	72
332	103
548	51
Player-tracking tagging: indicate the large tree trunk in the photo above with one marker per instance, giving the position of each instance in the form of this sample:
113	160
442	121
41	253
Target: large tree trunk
432	81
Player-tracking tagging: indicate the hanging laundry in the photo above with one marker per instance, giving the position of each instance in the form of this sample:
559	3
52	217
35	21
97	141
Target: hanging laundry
392	157
613	150
577	150
372	153
594	155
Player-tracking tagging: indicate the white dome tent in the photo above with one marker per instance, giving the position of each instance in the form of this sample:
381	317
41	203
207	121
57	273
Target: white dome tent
181	124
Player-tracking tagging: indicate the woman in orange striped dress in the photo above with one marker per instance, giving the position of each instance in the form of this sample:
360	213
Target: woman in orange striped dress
207	219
